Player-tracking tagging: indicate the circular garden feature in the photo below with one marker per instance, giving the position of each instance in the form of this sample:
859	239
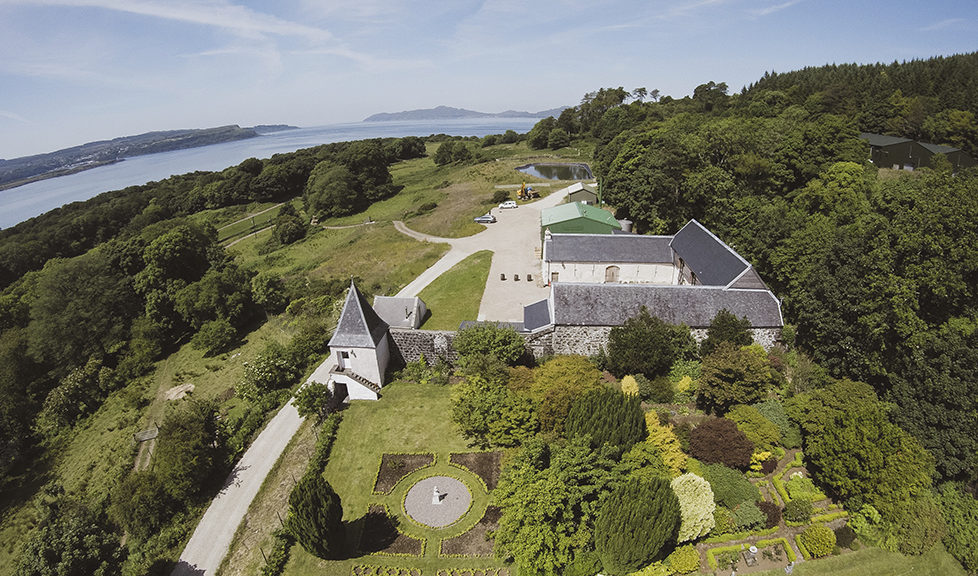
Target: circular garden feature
437	501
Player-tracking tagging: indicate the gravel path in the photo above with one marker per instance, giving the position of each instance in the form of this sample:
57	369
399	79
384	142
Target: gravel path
454	502
212	538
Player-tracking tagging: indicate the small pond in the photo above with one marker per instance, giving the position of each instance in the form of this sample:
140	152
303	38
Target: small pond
558	171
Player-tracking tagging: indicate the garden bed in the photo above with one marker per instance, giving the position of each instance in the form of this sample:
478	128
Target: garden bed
485	465
393	467
381	536
475	542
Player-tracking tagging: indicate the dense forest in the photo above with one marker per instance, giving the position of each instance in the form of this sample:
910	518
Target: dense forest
877	271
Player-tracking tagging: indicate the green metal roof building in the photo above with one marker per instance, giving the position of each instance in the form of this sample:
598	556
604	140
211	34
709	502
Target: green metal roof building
578	218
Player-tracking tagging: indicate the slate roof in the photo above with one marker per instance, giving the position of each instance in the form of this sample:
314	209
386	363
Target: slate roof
399	312
938	148
359	325
882	139
536	315
574	210
625	248
713	262
585	304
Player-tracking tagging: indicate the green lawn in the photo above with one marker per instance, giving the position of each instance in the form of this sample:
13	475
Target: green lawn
455	295
410	417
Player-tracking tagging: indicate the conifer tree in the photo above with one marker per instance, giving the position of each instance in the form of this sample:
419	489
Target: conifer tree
316	517
635	523
608	417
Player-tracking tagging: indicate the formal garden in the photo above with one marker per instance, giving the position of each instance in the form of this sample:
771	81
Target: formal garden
662	456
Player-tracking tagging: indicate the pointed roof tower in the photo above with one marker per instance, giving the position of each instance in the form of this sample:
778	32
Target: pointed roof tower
359	325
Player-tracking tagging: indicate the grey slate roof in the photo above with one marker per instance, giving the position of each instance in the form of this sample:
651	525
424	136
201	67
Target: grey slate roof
882	139
582	304
713	262
625	248
749	280
536	315
400	312
359	325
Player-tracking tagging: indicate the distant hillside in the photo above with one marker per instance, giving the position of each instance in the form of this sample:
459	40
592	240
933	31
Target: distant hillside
449	113
26	169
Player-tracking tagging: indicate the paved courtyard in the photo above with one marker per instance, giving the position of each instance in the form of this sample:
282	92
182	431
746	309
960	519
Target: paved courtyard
515	242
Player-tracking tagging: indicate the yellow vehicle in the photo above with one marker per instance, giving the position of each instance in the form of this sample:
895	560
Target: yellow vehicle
526	192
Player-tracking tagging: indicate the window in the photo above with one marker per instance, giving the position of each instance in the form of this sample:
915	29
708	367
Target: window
611	274
553	277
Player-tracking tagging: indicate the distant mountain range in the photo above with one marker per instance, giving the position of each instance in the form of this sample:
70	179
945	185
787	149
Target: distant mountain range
449	113
27	169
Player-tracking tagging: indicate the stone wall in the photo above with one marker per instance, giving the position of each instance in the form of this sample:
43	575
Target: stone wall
409	345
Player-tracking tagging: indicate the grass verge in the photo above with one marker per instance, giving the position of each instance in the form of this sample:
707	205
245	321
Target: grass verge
456	295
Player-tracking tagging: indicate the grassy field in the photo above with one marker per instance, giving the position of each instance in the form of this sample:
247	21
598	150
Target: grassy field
411	417
937	562
455	295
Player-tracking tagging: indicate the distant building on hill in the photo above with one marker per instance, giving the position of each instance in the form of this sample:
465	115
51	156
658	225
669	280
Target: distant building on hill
906	154
582	193
578	218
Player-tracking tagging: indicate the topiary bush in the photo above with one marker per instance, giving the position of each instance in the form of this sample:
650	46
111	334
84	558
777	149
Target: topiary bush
798	510
717	440
819	540
696	506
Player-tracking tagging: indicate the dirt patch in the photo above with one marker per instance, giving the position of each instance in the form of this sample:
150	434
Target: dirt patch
393	467
475	542
380	534
476	572
485	465
768	558
178	392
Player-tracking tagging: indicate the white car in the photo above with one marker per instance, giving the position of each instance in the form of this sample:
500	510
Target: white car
509	204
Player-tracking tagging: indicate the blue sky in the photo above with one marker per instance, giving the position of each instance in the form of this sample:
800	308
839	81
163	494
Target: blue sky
72	71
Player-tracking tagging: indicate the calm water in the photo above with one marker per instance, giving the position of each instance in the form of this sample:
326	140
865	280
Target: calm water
558	171
19	204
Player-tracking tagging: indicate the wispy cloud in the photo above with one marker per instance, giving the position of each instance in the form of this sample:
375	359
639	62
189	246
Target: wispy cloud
13	116
775	8
942	24
222	14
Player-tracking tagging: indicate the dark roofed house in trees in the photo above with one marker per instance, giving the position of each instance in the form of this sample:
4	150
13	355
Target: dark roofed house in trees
906	154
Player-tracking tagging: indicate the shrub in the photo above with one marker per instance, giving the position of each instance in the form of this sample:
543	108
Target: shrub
758	429
696	507
723	521
646	345
316	517
629	385
772	512
665	440
659	390
214	336
634	523
273	369
684	559
961	514
491	339
919	525
731	376
845	536
819	540
186	453
500	196
730	487
803	487
556	384
608	417
798	510
313	399
748	516
726	327
788	431
719	440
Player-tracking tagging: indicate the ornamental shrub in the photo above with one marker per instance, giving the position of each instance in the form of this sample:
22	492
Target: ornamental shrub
819	540
798	510
723	521
730	487
316	517
726	327
788	431
629	385
748	516
634	523
684	559
845	536
491	339
719	440
803	487
696	506
758	429
609	418
731	376
272	369
772	512
646	345
664	438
